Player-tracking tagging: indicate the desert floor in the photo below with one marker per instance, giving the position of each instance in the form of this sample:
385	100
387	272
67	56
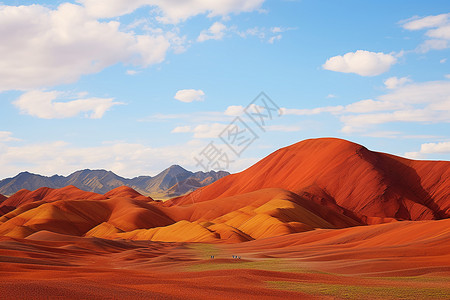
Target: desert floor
324	264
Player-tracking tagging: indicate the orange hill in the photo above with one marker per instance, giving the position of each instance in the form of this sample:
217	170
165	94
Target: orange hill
48	195
370	187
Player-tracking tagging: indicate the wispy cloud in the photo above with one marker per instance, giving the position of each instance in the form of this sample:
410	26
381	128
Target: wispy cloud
438	31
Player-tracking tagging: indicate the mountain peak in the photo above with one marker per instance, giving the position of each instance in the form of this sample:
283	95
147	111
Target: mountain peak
101	181
345	176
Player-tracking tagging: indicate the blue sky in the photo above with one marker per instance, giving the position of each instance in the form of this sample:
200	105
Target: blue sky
135	86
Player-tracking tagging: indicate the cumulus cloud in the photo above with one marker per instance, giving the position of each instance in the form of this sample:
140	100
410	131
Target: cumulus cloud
42	47
189	95
361	62
215	32
46	105
430	148
234	110
171	11
438	31
394	82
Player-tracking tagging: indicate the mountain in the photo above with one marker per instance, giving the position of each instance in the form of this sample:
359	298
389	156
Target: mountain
370	187
102	181
325	184
301	218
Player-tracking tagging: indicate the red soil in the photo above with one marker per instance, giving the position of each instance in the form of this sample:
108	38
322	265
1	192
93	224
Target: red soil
53	265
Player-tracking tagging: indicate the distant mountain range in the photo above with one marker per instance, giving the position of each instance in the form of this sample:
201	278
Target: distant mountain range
173	181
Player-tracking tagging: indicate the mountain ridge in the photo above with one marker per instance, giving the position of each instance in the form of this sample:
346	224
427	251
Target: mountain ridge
102	181
315	184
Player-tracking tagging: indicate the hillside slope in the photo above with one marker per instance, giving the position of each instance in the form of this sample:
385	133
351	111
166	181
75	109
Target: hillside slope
366	185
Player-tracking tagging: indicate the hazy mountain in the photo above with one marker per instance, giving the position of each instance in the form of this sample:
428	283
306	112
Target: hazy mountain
102	181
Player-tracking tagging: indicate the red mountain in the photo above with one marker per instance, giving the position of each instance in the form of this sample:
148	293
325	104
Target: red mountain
368	186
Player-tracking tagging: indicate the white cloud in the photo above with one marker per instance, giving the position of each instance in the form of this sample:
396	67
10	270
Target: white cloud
189	95
394	82
438	29
383	134
417	23
361	62
311	111
124	158
269	35
202	131
447	76
432	45
430	148
282	128
275	38
215	32
181	129
42	47
426	103
442	32
132	72
6	136
208	130
369	105
358	123
234	110
442	61
425	92
44	105
171	11
201	116
331	96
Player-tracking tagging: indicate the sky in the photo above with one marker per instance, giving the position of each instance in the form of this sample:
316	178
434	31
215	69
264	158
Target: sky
134	86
